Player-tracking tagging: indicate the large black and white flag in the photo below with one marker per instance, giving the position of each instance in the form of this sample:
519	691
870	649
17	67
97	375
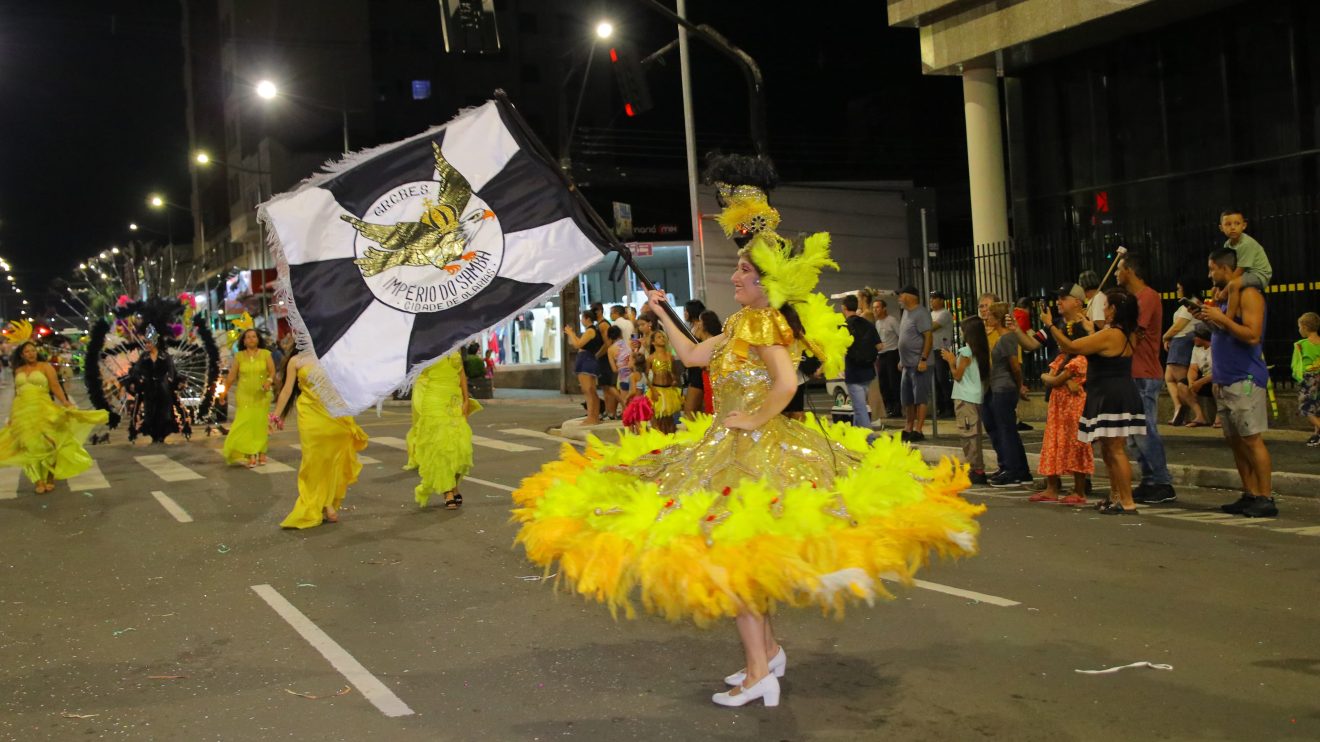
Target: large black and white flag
397	254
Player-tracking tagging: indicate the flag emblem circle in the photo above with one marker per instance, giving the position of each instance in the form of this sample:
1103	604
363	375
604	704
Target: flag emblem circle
441	281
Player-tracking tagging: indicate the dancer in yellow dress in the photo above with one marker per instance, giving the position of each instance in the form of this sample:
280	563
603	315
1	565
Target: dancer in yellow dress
440	439
251	376
665	398
42	436
330	447
747	511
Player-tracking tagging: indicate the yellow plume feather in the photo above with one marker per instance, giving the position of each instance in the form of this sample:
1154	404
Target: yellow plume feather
18	332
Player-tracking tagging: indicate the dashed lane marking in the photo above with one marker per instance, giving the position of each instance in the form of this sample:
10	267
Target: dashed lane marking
171	507
367	684
486	483
270	467
92	479
392	442
480	440
957	592
168	469
9	479
362	458
526	433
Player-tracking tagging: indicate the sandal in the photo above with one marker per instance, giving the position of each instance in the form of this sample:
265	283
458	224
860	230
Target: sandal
252	463
329	517
1102	504
454	503
1073	498
1114	508
1197	424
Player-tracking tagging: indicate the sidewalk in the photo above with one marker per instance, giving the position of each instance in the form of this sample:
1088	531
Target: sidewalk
1197	456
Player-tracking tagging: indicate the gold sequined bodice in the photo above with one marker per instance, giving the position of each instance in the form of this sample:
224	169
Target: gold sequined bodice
739	378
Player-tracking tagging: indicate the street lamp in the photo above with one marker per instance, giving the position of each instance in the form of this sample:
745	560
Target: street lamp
604	30
267	91
132	226
202	158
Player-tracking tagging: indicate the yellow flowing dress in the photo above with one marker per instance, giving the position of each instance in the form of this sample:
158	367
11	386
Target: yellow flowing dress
250	433
44	437
329	465
665	400
711	521
440	439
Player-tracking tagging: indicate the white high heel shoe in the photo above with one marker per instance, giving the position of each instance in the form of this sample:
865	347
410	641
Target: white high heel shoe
766	689
778	666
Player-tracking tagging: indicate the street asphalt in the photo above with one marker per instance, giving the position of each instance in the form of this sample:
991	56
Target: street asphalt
119	621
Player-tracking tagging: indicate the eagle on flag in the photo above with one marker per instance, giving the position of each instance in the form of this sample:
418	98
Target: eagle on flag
438	239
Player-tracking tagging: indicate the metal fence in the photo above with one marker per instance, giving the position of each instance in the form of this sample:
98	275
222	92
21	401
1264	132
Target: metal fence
1176	250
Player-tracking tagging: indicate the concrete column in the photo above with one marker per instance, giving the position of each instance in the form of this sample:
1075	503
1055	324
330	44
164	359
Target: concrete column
986	178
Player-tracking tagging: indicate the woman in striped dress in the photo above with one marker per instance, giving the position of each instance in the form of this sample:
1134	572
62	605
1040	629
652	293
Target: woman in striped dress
1113	406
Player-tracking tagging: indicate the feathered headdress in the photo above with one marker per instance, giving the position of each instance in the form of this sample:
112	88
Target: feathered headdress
790	276
18	331
244	323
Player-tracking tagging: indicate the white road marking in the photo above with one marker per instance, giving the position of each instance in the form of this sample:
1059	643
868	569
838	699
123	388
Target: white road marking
270	467
9	479
167	469
1304	531
524	432
171	507
480	440
958	592
92	479
496	485
390	441
1001	494
367	684
362	458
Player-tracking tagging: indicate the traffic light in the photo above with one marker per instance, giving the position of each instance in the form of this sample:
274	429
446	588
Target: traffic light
632	81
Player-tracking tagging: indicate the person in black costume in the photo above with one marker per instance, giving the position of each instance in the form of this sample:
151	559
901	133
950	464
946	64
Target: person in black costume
154	383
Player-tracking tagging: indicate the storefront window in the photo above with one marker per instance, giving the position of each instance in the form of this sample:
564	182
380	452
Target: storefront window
531	337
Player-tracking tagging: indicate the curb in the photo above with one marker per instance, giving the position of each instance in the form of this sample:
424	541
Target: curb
1291	484
1285	483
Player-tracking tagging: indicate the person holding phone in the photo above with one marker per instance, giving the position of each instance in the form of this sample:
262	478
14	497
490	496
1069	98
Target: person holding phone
941	328
1178	343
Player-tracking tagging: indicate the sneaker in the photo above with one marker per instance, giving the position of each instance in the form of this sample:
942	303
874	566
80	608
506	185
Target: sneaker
1004	480
1313	441
1155	494
1260	507
1236	507
1026	479
978	477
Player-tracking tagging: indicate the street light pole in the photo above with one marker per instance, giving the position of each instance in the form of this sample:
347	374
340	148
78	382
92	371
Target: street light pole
690	141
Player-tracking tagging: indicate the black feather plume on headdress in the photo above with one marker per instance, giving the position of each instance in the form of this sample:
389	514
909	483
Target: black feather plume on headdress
740	170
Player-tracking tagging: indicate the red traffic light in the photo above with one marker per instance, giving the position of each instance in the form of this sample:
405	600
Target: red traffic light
628	109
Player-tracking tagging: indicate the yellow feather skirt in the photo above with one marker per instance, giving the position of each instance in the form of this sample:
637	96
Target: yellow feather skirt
709	522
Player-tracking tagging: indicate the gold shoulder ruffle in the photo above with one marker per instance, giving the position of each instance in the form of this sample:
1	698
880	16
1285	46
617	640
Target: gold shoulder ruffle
762	326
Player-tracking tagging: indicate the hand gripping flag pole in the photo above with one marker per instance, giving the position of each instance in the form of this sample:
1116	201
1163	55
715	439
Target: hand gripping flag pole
394	256
624	256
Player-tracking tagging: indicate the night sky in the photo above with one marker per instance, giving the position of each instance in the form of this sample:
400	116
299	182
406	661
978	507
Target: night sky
92	119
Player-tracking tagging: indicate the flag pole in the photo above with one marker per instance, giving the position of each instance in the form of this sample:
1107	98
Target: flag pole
590	214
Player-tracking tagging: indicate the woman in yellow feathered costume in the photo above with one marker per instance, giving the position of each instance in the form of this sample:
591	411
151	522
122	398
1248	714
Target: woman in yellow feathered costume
740	513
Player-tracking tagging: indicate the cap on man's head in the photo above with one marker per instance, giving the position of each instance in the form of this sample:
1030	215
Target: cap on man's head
937	294
909	290
1071	289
